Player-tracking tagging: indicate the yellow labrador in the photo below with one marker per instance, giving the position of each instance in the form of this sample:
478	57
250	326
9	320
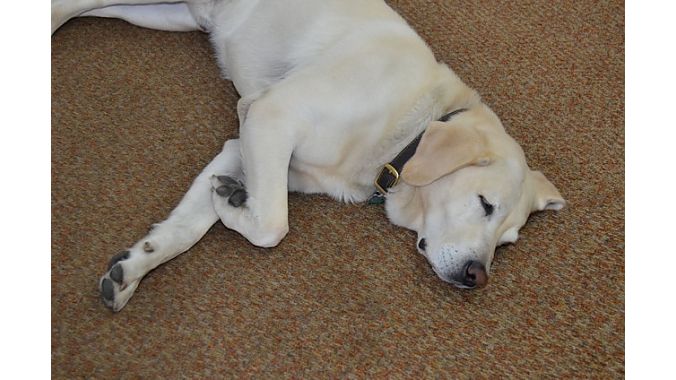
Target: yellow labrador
334	95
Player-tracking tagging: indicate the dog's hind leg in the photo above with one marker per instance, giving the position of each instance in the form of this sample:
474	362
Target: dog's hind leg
186	224
167	17
64	10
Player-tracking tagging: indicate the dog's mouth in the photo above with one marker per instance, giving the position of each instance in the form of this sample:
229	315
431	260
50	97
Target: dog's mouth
451	281
422	244
472	276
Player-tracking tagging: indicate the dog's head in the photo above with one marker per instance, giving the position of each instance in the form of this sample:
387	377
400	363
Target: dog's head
466	190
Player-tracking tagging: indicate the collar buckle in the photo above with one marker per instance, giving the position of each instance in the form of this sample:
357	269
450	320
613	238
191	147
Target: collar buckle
393	171
389	174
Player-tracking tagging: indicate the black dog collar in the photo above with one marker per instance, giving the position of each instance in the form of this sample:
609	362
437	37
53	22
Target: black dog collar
389	174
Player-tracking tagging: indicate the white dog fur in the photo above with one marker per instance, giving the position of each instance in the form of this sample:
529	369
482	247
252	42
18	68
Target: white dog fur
331	90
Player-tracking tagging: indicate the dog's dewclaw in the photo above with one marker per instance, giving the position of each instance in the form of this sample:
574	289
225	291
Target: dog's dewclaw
147	248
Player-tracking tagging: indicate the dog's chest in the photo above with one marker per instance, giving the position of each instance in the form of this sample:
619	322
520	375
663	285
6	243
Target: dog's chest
337	181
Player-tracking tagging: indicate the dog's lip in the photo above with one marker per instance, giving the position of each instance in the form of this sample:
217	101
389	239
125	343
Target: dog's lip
451	281
460	285
422	244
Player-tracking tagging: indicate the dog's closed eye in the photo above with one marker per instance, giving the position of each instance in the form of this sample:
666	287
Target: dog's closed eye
488	208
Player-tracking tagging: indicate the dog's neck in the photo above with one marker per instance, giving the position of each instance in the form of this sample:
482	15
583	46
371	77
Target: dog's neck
444	93
404	207
443	96
447	98
389	175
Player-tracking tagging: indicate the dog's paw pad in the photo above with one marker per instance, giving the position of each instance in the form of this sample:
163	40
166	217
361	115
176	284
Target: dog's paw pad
237	198
116	286
124	255
117	274
224	191
107	290
228	181
228	187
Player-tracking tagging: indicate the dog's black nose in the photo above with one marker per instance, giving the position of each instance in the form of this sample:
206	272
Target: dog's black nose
474	275
422	244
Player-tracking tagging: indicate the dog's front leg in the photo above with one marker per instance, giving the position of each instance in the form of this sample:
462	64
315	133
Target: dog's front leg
186	224
261	214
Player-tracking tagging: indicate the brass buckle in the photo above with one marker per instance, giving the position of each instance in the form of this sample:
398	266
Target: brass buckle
392	171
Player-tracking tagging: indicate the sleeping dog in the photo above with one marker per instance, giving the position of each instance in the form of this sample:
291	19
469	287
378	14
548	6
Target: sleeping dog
340	97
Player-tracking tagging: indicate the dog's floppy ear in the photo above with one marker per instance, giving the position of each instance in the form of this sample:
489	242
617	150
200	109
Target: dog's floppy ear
546	196
443	149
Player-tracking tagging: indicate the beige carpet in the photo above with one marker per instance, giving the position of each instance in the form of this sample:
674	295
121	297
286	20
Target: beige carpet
137	113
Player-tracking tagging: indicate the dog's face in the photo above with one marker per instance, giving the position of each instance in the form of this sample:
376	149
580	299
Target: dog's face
466	191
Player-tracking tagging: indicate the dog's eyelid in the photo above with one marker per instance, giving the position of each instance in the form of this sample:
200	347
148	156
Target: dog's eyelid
488	207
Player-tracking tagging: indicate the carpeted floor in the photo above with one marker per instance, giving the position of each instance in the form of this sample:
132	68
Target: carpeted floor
137	113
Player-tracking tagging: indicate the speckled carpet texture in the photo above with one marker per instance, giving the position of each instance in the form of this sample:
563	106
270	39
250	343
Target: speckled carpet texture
136	115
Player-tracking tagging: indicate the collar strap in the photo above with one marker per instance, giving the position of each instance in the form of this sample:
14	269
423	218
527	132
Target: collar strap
389	174
449	115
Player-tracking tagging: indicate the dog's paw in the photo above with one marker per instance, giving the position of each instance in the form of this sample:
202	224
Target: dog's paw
117	285
230	189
